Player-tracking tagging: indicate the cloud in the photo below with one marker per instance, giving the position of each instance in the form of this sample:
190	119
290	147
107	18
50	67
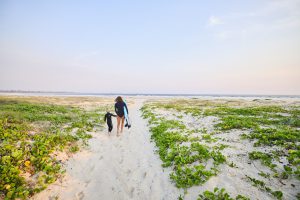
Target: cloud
213	21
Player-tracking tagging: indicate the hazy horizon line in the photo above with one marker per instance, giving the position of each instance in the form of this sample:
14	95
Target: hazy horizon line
141	93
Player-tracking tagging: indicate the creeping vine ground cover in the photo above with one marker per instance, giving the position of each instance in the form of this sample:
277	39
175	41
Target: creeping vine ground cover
189	162
29	135
274	130
268	128
219	194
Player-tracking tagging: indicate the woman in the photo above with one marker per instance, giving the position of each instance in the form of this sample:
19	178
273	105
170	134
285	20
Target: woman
119	108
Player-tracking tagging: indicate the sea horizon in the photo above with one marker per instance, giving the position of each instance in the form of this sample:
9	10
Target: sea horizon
66	93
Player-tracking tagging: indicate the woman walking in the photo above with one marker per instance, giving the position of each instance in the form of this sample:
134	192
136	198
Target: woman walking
119	108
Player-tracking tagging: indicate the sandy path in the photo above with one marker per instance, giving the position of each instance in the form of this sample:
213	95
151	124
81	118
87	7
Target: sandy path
124	167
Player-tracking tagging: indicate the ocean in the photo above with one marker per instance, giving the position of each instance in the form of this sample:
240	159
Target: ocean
33	93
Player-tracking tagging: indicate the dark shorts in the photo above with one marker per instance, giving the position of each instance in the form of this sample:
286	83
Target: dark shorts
120	115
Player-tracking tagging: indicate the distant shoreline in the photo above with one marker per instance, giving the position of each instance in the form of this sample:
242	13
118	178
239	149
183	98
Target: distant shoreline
43	93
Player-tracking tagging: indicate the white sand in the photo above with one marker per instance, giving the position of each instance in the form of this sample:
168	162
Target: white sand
127	167
233	179
124	167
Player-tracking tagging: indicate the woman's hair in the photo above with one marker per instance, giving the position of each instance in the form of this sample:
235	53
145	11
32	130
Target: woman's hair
119	99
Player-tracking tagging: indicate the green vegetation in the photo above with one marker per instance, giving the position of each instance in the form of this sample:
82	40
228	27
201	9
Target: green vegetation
265	175
274	129
233	165
219	194
266	159
268	126
187	161
30	133
262	186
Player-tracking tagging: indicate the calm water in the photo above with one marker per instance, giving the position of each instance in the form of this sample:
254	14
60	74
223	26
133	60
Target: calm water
135	94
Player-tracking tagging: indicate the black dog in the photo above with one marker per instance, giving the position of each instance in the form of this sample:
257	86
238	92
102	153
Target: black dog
107	118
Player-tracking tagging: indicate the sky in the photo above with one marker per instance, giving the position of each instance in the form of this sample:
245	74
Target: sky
159	46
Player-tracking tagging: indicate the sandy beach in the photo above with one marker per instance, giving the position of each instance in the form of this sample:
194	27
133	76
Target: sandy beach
212	90
129	167
112	167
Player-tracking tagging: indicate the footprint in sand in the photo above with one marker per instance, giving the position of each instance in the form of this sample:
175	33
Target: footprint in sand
92	168
80	195
121	161
54	197
87	183
117	145
131	192
101	158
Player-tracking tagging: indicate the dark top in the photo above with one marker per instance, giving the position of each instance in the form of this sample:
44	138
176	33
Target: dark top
119	108
108	116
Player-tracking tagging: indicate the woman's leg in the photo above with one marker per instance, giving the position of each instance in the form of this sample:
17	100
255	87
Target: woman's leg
122	124
118	124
